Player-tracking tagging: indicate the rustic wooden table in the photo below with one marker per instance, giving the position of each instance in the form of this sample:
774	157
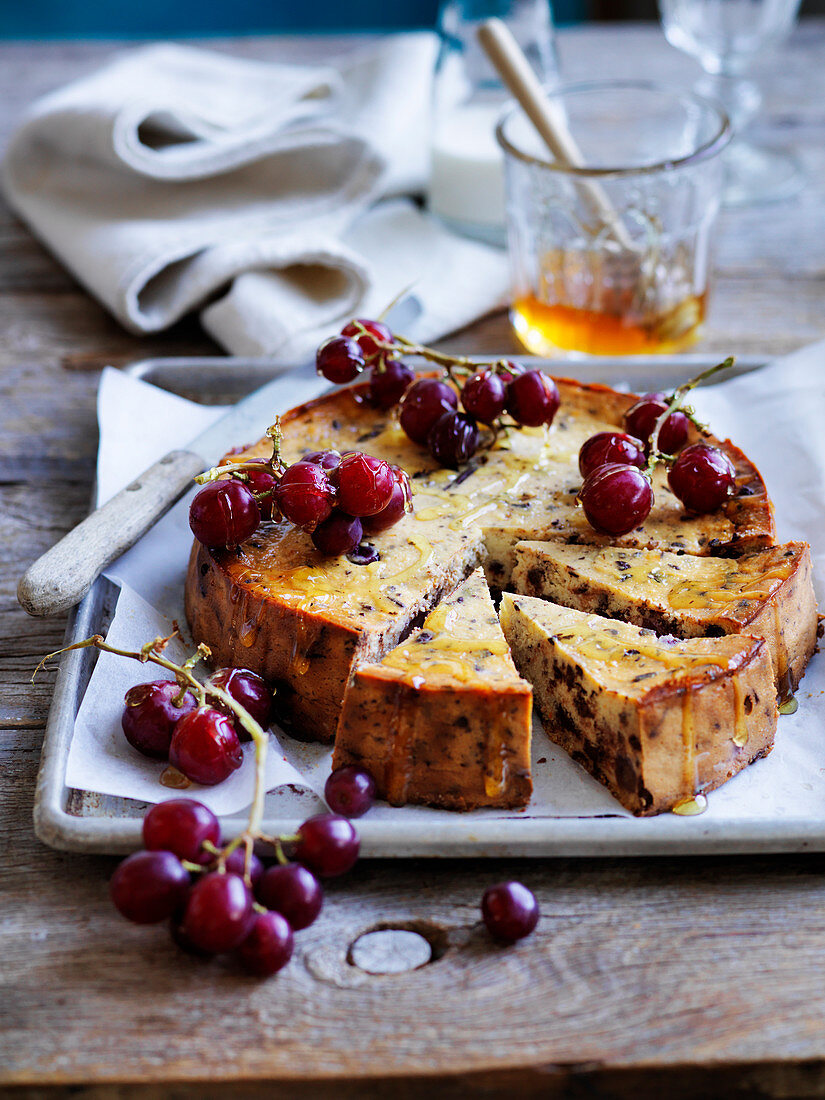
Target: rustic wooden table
694	977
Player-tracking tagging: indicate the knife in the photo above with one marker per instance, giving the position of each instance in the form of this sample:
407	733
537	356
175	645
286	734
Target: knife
63	575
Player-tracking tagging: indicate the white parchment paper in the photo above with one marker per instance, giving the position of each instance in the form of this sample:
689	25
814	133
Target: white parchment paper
776	415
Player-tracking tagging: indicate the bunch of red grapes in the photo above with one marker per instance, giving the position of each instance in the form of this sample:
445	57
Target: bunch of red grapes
221	900
617	494
337	498
162	720
429	412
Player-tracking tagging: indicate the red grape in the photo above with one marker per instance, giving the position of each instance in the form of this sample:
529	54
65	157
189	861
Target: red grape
248	689
484	396
261	479
425	402
180	938
532	398
181	825
640	420
339	359
510	911
350	791
376	330
328	844
236	864
702	477
205	747
218	913
268	946
148	887
389	384
509	370
399	504
224	513
453	439
150	716
616	498
340	534
305	495
364	484
605	448
292	890
327	460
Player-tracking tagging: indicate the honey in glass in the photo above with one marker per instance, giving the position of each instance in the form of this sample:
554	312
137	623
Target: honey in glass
545	328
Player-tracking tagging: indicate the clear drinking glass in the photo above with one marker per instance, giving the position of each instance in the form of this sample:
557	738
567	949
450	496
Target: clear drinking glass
612	258
725	36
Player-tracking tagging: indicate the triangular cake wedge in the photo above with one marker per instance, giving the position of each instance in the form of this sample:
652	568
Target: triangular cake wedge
444	719
656	720
768	593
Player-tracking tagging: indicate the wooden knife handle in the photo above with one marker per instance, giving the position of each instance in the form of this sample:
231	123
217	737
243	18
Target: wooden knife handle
63	575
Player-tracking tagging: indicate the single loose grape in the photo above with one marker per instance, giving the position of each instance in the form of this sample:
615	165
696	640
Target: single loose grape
510	911
350	791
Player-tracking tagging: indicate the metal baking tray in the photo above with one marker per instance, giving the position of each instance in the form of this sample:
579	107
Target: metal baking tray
83	821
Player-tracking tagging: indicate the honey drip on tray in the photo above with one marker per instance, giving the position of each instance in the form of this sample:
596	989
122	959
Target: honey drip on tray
691	806
171	777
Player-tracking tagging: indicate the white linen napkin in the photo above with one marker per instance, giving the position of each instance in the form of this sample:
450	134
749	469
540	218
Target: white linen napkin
175	173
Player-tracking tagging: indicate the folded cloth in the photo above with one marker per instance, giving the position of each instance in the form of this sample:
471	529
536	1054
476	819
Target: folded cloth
175	173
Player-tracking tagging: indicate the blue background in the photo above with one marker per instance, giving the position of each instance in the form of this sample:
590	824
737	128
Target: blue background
141	18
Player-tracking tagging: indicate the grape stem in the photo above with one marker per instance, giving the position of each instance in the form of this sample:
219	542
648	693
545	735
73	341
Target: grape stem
152	653
239	469
675	402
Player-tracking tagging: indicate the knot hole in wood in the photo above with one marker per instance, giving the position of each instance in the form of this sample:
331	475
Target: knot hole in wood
397	947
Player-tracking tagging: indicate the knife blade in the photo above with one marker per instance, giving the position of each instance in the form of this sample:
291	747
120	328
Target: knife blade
63	575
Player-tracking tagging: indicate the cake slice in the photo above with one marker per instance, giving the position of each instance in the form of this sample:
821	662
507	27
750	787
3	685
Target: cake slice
657	720
768	593
444	719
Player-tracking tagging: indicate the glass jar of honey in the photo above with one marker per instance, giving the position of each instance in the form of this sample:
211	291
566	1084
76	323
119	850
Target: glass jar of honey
611	256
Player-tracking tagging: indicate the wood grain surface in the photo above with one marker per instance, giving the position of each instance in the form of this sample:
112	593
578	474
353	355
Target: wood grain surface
645	978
